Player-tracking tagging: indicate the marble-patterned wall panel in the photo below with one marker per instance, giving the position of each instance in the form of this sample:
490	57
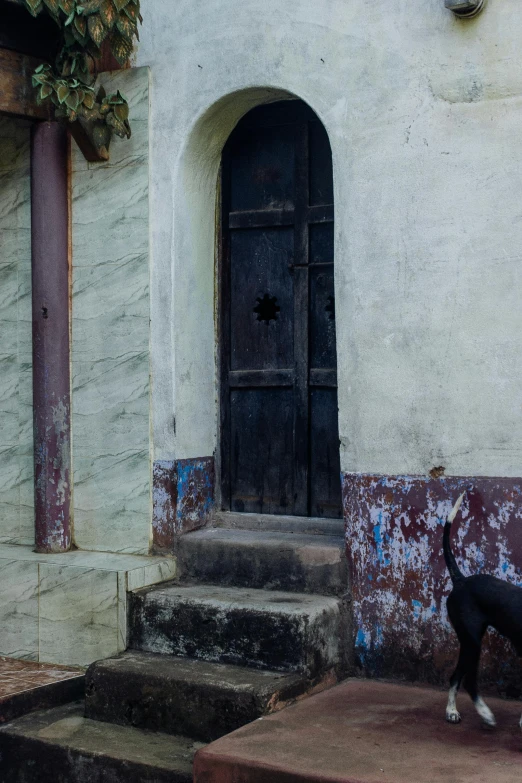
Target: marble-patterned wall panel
112	503
78	614
9	494
9	423
25	407
16	412
110	306
111	333
70	608
111	404
109	218
26	524
25	450
8	303
19	609
25	309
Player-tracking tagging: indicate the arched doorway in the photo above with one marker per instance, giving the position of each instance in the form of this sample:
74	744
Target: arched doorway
278	399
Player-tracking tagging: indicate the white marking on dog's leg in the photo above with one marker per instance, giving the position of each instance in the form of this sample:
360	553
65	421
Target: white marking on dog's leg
484	712
452	714
520	724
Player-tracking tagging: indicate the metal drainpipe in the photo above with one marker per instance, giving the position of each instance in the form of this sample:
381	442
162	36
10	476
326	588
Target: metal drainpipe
51	361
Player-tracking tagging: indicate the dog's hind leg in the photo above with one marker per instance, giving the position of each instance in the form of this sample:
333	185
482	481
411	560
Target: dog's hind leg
472	653
470	627
467	669
472	688
464	666
452	714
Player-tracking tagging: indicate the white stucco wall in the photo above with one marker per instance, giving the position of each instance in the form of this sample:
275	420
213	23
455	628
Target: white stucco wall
424	114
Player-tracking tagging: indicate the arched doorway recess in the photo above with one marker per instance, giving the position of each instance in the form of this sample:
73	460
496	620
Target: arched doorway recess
278	399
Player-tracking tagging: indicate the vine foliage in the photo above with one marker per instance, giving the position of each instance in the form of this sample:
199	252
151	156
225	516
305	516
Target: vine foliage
69	83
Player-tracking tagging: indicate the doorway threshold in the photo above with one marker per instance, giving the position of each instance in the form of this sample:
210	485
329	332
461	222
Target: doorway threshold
317	526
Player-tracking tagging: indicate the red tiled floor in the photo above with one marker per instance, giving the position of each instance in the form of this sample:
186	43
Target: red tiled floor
26	685
9	687
369	732
17	676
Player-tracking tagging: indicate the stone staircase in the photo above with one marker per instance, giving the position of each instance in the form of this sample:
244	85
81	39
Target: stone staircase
259	618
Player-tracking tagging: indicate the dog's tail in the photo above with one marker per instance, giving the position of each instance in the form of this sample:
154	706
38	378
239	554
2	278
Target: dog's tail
454	571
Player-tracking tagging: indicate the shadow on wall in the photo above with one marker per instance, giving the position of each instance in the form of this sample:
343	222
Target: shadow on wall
400	582
194	237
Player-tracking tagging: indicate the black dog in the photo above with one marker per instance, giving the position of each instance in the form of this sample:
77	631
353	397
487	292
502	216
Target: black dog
475	603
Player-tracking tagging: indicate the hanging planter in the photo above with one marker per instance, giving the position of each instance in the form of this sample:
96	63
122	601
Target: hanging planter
69	83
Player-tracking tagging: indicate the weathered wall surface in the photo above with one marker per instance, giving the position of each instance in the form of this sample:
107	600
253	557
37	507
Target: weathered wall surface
111	335
424	115
16	392
182	495
400	581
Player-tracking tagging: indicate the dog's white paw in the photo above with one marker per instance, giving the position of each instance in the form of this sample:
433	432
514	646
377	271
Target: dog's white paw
485	713
520	724
453	716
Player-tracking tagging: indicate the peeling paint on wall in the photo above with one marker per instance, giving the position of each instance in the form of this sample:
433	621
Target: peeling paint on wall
183	497
195	493
164	500
400	584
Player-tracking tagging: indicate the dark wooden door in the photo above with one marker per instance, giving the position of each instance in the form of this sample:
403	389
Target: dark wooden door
279	429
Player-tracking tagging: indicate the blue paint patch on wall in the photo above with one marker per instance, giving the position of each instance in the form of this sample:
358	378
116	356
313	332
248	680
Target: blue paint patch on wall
380	541
183	498
195	489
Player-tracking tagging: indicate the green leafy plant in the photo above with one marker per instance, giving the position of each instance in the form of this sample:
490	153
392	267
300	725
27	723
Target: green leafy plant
69	83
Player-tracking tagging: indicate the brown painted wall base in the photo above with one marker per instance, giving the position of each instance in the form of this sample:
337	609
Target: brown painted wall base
400	583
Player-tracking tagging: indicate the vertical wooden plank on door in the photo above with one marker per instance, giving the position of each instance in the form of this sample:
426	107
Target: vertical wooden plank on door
279	437
301	285
258	441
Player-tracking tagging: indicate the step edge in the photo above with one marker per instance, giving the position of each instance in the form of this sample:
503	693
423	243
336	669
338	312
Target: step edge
274	680
15	729
282	594
318	526
267	538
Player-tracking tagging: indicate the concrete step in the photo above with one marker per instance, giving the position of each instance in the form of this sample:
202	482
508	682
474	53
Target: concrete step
257	628
185	696
314	526
273	561
62	746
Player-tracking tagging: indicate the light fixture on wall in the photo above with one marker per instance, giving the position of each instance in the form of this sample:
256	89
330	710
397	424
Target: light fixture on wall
465	9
